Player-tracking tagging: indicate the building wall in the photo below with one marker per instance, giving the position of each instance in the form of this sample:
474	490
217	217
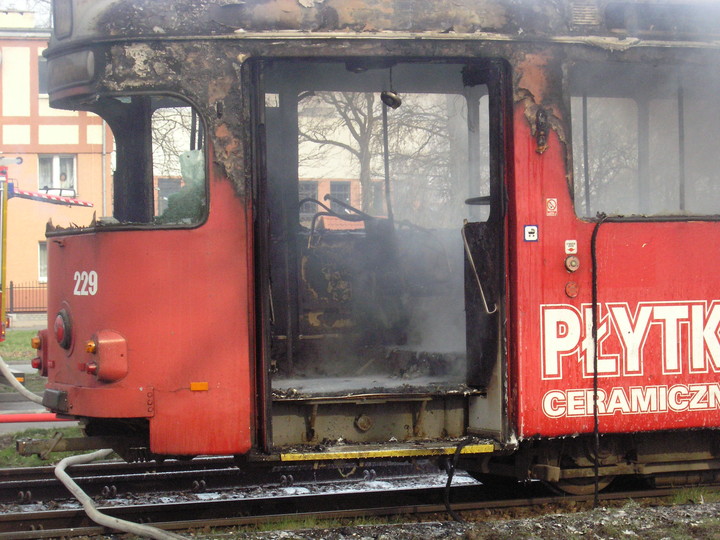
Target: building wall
30	128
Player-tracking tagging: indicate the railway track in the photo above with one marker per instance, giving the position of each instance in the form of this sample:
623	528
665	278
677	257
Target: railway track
110	479
38	484
219	509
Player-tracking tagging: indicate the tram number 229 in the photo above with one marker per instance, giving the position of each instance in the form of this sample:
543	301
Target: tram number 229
86	283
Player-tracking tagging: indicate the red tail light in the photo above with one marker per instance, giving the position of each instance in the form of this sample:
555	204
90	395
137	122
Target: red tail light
40	362
63	329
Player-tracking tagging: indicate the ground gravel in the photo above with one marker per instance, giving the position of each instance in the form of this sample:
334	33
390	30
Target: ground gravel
701	521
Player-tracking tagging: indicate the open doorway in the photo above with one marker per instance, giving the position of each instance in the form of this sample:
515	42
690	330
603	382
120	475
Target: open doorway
373	171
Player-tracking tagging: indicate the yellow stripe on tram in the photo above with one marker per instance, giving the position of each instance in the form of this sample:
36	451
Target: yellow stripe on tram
387	453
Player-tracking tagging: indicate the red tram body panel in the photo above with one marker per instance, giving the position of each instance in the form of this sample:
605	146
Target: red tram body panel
657	329
168	373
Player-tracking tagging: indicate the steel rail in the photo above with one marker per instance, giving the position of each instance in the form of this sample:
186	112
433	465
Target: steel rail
109	479
115	467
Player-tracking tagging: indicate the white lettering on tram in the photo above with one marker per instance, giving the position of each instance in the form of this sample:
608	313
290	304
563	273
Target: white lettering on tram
633	400
86	283
684	335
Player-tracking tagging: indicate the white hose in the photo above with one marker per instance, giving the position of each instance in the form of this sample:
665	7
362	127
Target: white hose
5	369
144	531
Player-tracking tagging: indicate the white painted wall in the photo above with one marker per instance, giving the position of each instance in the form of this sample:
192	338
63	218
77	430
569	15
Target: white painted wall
16	81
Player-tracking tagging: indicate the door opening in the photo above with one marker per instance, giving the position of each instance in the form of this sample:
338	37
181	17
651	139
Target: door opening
369	172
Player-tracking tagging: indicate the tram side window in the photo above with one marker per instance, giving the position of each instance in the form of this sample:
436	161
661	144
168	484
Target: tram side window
643	140
159	174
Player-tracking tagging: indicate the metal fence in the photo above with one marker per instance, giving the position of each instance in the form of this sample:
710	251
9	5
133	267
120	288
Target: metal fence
26	297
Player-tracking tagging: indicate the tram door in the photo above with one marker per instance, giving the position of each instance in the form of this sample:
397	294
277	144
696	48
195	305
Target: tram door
482	236
382	245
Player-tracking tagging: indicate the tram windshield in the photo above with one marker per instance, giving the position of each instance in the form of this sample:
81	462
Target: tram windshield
158	175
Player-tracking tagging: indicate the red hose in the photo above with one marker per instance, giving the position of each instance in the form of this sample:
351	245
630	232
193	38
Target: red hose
30	417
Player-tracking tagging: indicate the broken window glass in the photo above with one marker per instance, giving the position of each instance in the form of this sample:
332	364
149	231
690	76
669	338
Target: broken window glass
159	173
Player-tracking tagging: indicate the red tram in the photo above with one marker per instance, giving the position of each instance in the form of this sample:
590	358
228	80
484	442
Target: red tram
347	230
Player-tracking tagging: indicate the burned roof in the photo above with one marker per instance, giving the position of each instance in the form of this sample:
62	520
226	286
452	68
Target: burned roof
521	19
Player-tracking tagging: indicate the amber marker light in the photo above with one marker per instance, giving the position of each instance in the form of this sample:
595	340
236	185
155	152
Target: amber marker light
91	347
35	343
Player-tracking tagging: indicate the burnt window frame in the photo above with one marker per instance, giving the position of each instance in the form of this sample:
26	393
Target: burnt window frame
104	107
643	176
496	73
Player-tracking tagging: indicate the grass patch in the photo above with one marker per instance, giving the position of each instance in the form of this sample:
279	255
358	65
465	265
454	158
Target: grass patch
709	528
16	350
16	347
295	524
317	523
696	495
10	458
33	382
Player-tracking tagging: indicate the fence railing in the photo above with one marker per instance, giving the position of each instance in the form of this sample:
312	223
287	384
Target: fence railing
26	297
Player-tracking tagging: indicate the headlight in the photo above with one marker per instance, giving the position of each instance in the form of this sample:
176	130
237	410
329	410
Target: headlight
72	69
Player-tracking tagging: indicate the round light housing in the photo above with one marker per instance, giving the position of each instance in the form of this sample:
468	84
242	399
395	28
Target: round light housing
63	329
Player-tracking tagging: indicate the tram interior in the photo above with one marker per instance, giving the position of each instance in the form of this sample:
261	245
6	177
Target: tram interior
369	168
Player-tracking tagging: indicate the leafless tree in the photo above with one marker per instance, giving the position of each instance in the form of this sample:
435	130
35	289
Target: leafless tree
344	120
171	133
41	8
611	159
427	143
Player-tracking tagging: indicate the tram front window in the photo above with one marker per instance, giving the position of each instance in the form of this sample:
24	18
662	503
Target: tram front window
158	177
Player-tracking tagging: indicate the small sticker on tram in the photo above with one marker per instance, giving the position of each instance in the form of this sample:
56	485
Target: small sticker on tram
551	207
531	233
571	247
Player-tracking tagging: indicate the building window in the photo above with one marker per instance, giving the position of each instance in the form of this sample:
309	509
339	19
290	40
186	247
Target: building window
340	191
308	189
42	76
57	174
42	262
